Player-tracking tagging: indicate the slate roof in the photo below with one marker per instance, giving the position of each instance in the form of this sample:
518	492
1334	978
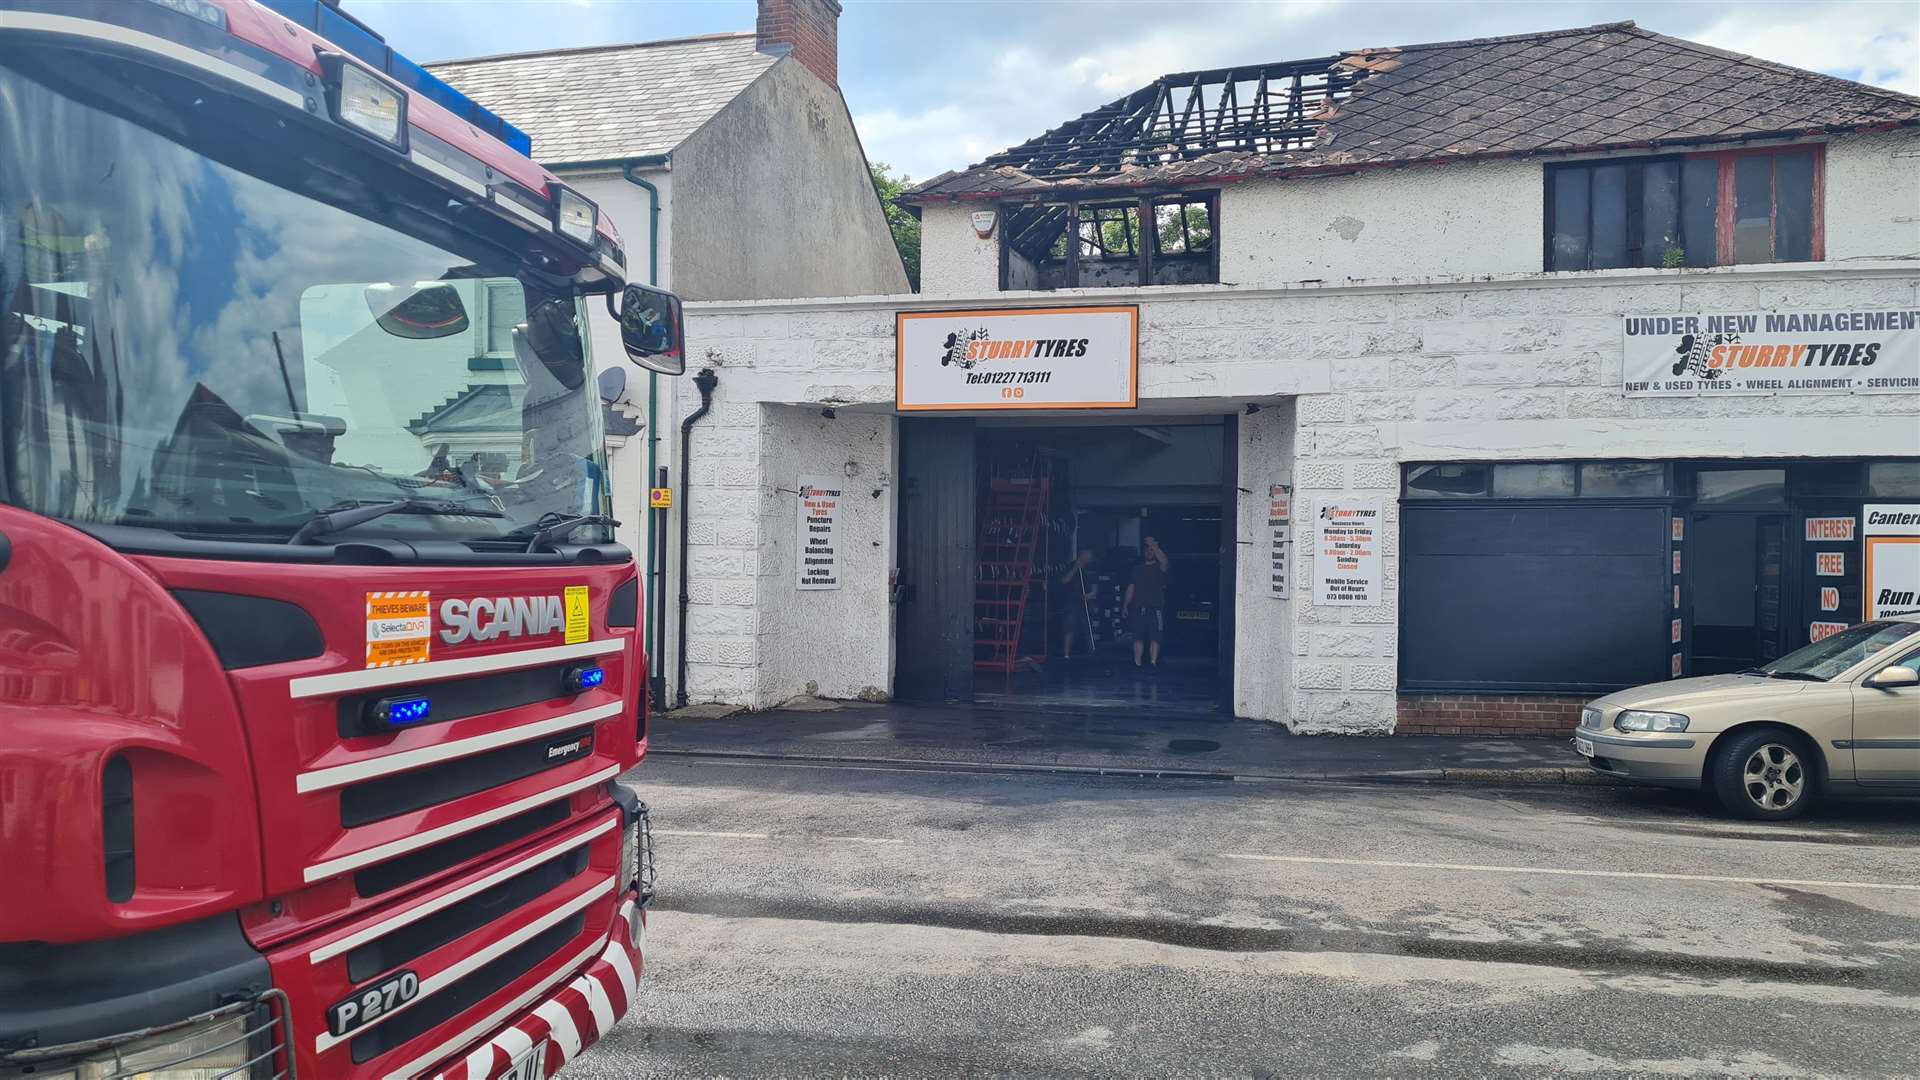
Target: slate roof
611	102
1593	88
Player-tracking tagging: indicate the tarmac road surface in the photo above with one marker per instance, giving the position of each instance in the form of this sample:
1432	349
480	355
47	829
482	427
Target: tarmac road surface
817	921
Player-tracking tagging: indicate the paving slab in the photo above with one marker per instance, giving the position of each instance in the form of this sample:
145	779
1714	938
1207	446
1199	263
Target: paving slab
1108	740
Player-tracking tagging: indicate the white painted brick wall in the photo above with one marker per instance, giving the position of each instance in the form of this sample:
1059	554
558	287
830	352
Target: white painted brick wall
1357	380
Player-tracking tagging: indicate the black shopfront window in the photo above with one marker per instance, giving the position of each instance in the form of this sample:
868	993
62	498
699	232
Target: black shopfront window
1713	209
1591	576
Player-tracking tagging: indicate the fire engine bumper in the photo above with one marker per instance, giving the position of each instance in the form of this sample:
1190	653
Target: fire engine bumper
562	1022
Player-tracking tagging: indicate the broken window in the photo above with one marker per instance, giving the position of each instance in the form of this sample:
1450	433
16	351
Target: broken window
1102	244
1713	209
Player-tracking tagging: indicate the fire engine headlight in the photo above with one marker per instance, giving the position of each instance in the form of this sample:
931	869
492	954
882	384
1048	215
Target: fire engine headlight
1636	720
221	1047
366	102
574	216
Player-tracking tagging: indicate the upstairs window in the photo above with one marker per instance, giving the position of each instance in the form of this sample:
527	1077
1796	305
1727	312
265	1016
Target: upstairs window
1713	209
1156	240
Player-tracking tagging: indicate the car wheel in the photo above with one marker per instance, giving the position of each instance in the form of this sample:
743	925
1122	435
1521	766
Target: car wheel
1766	774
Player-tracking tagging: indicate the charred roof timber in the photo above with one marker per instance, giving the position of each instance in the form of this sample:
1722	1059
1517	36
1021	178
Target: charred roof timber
1552	92
1263	109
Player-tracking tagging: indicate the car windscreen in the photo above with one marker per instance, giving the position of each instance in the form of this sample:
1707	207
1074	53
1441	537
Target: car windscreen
1832	655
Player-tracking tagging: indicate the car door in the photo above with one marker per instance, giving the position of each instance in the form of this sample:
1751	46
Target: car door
1886	728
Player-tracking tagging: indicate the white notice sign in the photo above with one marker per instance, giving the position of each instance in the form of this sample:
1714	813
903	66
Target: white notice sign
1279	525
1037	358
1346	553
1864	351
818	562
1893	559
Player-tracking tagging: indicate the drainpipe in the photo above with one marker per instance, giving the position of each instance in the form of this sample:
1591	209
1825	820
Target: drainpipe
656	613
705	383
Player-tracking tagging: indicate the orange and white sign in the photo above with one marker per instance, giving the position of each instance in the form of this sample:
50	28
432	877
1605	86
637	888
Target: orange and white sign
1892	559
1346	553
1030	358
1862	351
399	628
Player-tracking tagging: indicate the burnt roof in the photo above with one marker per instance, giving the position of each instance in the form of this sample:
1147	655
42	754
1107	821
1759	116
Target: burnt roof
1597	87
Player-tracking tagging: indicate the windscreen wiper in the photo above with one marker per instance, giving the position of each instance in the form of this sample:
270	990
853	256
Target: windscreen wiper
1795	676
553	527
346	517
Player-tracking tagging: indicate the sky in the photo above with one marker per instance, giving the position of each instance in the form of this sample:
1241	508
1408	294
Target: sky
938	84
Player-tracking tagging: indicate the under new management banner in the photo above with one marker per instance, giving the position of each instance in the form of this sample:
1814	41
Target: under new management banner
1031	358
1860	351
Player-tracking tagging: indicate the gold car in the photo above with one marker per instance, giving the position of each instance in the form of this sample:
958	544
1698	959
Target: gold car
1842	713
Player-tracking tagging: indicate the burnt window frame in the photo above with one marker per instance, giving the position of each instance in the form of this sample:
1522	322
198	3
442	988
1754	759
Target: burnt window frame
1140	209
1720	247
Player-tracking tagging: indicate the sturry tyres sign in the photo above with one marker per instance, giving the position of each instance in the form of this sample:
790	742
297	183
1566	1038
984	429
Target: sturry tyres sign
1030	358
1865	351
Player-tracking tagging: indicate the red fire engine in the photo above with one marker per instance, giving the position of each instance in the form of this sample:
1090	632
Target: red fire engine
318	660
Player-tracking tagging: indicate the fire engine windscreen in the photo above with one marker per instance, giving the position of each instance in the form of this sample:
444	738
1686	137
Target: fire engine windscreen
189	345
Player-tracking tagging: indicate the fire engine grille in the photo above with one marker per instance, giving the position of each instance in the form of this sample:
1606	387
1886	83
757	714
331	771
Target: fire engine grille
468	992
419	938
400	793
434	858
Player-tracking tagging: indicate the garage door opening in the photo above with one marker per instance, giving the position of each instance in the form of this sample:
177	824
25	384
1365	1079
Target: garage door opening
1068	521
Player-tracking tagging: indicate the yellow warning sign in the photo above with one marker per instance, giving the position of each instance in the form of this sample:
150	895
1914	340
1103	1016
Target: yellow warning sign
399	628
660	498
579	614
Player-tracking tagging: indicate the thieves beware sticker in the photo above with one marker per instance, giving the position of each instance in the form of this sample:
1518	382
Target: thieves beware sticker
399	628
579	614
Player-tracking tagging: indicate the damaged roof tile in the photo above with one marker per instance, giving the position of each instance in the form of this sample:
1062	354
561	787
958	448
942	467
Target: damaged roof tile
1589	88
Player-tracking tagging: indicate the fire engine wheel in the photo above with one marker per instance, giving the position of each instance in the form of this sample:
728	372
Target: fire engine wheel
1764	775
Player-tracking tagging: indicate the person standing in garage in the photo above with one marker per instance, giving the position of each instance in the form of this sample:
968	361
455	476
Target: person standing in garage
1146	597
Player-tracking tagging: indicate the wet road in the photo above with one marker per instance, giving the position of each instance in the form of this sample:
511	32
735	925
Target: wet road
850	921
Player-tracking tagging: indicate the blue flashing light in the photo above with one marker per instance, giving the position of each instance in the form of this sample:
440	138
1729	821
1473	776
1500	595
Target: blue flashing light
399	712
585	677
354	37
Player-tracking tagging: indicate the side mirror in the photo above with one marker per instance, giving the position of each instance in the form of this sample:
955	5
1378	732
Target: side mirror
420	312
651	330
1889	678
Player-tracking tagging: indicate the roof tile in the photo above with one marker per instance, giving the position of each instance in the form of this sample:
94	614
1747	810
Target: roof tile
611	102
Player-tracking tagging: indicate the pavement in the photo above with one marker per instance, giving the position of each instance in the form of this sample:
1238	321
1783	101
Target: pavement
1114	741
820	919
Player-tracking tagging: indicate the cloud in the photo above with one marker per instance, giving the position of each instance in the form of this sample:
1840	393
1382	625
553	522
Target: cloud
1870	42
983	96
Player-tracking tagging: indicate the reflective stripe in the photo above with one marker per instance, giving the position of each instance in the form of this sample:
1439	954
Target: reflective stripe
413	1068
336	775
599	1005
440	980
508	202
388	926
72	26
342	682
447	172
405	844
560	1022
